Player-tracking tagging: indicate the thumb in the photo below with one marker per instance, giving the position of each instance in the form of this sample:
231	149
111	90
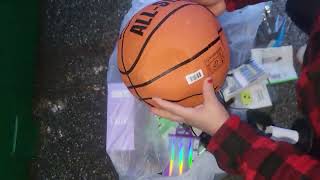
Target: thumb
218	8
206	2
208	92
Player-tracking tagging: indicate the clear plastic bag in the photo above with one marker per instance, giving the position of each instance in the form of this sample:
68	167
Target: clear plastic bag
205	167
133	142
241	28
113	74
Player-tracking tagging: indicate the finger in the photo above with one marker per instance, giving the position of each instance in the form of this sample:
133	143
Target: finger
199	107
167	115
174	108
208	92
206	2
218	8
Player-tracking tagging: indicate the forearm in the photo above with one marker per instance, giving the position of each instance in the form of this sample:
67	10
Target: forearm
240	150
232	5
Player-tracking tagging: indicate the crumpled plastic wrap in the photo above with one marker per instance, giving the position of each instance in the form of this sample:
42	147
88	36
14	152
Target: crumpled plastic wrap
133	142
241	28
205	167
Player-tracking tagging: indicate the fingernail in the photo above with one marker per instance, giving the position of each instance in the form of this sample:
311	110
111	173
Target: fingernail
210	81
155	99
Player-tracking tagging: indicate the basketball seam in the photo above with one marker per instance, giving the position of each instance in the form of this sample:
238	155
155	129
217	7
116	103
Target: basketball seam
150	36
221	29
122	42
145	44
124	31
194	57
175	101
205	7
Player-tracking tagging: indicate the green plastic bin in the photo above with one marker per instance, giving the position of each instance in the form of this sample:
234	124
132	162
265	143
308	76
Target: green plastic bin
18	52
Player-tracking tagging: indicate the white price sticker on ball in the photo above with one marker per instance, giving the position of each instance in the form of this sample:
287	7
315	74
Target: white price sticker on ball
194	77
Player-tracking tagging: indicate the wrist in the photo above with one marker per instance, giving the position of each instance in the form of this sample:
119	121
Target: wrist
219	123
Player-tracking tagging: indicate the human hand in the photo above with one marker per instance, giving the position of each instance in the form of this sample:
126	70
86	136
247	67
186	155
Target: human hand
209	116
216	6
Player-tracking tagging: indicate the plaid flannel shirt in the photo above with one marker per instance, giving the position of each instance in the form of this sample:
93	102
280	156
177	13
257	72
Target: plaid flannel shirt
240	150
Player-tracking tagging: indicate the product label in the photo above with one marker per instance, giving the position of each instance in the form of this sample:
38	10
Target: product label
194	77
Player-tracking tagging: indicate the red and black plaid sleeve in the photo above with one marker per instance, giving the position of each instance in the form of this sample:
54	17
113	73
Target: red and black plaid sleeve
239	150
308	86
237	4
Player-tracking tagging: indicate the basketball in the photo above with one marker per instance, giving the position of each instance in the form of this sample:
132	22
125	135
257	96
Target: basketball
167	50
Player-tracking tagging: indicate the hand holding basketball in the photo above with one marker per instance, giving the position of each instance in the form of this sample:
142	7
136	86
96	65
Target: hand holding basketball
216	6
168	48
208	117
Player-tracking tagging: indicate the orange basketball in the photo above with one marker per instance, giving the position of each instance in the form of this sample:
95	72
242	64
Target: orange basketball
169	48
